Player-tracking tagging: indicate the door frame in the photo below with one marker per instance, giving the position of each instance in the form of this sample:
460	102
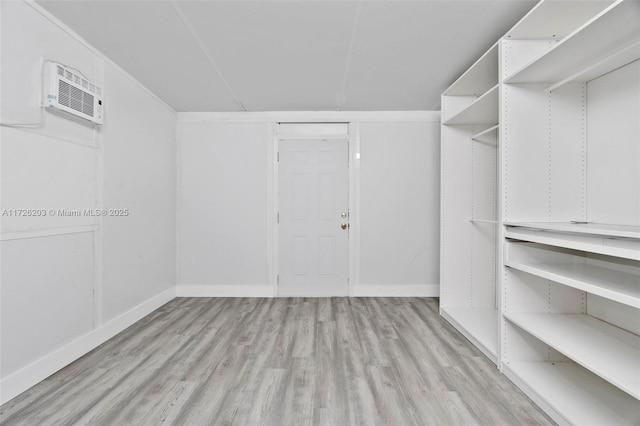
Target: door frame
353	177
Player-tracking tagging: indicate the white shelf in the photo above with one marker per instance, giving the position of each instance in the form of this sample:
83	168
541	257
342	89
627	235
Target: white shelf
614	28
619	286
573	395
605	350
483	110
489	136
555	19
611	240
491	221
604	229
618	59
479	325
479	78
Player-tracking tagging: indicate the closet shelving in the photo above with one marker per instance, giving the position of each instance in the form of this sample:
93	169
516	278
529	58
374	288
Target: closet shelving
618	59
604	349
469	211
489	135
585	228
483	110
473	98
613	240
569	283
559	221
605	42
579	396
479	78
478	324
605	276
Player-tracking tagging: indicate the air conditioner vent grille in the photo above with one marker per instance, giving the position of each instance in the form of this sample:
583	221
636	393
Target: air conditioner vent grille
69	93
75	98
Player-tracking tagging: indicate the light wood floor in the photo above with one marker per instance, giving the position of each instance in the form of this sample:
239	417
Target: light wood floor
329	361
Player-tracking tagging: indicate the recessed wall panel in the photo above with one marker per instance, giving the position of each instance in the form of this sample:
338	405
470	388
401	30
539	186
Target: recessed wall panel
299	157
325	156
326	196
47	296
53	181
300	255
300	196
327	256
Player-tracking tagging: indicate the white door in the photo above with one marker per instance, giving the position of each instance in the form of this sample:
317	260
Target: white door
313	217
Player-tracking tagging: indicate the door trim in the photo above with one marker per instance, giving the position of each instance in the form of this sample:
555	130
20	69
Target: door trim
354	207
353	139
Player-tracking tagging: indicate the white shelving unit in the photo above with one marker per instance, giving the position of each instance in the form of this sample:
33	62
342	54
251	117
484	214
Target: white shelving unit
483	110
618	242
479	78
576	395
571	215
601	348
597	41
571	300
585	228
479	325
615	60
489	135
603	276
540	241
469	211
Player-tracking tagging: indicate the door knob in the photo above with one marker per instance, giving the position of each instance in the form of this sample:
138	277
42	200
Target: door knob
343	226
343	215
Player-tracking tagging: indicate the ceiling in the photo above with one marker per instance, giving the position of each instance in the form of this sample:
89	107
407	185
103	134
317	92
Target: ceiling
296	55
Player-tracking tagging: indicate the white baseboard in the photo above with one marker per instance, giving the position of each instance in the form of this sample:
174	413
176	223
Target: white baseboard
396	290
229	290
265	290
21	380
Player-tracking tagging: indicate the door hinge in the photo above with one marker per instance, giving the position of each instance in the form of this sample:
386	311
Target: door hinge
278	279
278	218
278	155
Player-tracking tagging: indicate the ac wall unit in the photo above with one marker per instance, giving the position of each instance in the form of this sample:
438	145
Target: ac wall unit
69	93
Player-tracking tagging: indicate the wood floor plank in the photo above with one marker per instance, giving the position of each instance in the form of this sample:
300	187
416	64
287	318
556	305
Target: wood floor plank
294	361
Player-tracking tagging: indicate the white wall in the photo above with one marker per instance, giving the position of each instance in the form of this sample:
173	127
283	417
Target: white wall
69	283
226	203
400	207
223	208
140	175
